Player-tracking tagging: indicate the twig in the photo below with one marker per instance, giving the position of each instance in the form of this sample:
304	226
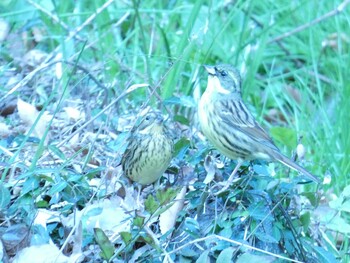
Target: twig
295	61
54	18
73	34
334	12
129	90
90	19
27	78
232	242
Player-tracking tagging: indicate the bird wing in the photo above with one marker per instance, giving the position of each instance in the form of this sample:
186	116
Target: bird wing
234	113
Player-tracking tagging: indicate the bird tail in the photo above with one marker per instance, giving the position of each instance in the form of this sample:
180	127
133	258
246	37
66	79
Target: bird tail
286	161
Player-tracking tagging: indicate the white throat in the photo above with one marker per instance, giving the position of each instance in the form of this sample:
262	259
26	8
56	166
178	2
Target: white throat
215	86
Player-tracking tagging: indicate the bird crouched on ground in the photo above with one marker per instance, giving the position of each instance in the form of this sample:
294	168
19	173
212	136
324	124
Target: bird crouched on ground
149	150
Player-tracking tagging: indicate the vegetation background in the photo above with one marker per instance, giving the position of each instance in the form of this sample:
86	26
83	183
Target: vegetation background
76	75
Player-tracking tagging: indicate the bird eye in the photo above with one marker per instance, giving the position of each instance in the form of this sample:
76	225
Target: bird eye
147	118
223	73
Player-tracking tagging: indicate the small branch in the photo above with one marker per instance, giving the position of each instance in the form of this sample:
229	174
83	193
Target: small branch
334	12
129	90
53	17
232	242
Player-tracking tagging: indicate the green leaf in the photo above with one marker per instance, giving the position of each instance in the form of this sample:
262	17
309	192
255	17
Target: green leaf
284	136
30	184
265	237
93	172
57	152
305	220
126	236
345	207
139	221
204	257
339	224
5	197
104	243
324	256
181	119
181	147
336	203
186	101
166	196
252	258
313	197
225	255
346	191
58	187
93	212
150	204
192	227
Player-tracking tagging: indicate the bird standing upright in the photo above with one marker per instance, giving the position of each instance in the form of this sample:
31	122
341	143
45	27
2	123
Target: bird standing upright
149	150
230	127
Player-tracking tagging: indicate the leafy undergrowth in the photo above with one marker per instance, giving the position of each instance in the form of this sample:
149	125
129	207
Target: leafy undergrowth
75	78
69	189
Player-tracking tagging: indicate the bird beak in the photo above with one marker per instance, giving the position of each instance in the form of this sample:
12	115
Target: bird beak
210	70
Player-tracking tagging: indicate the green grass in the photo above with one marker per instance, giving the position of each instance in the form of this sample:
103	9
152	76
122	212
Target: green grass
164	44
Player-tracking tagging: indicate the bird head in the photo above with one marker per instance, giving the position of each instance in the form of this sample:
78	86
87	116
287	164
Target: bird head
152	122
224	79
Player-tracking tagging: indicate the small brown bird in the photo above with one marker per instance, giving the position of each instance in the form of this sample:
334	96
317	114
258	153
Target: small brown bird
230	127
149	150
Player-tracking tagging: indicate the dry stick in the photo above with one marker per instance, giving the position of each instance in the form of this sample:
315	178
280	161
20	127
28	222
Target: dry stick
119	22
45	64
334	12
54	18
278	205
92	17
129	90
232	242
296	61
72	34
27	78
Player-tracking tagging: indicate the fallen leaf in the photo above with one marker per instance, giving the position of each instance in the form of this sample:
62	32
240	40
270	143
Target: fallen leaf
15	238
168	218
74	114
4	130
294	93
4	29
28	114
209	166
34	57
40	254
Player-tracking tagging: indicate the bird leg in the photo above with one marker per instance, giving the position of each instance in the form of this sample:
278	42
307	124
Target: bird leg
230	179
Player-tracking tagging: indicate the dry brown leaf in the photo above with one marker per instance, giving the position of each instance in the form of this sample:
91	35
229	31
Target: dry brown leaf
300	151
74	114
4	29
294	93
112	218
38	33
15	238
332	40
75	141
275	116
168	218
28	114
4	130
44	217
209	166
40	254
34	57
